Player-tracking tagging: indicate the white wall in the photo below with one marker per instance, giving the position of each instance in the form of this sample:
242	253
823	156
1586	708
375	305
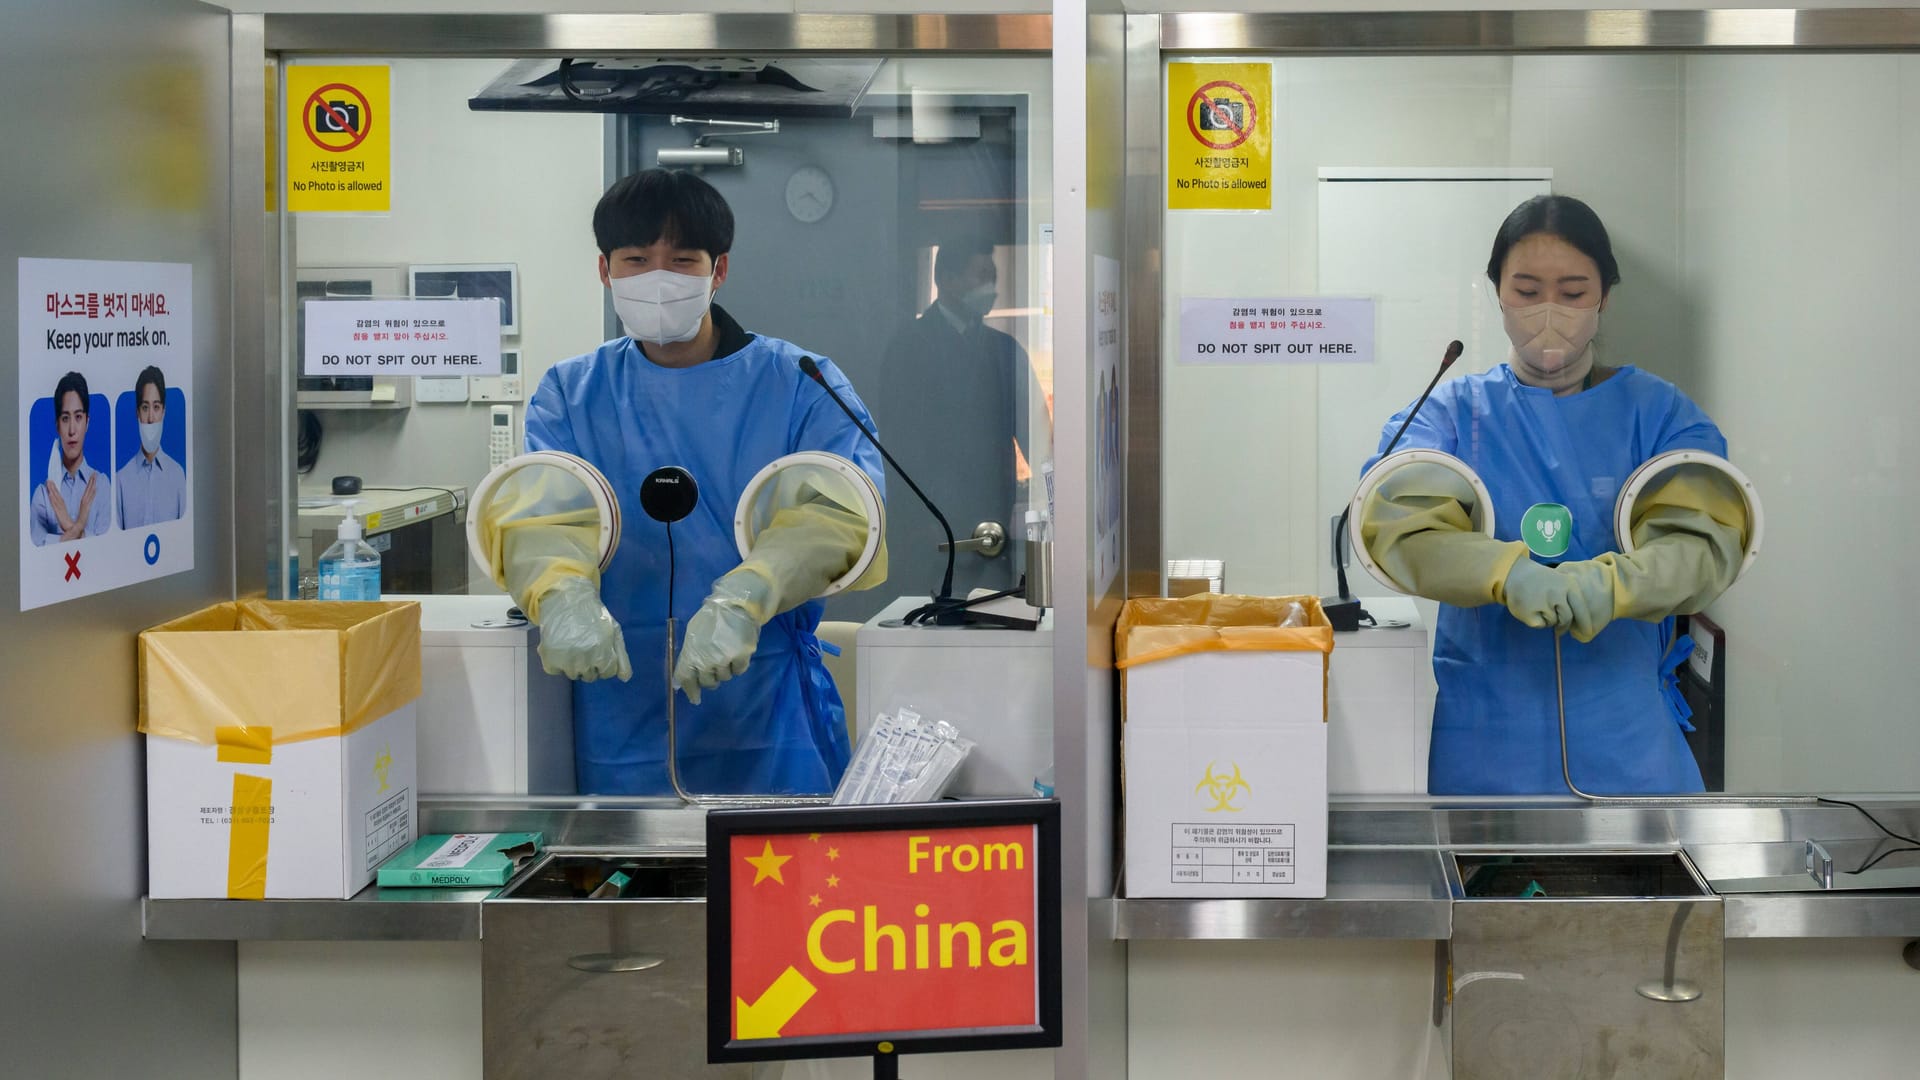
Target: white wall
469	187
321	1010
1800	235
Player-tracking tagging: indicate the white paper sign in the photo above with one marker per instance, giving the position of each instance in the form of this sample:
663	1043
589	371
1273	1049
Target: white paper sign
1286	330
106	451
359	338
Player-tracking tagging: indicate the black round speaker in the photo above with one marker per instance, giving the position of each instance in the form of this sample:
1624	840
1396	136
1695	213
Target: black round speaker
668	494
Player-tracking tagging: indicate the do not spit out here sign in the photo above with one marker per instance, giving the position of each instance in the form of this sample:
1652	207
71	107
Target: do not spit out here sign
1286	330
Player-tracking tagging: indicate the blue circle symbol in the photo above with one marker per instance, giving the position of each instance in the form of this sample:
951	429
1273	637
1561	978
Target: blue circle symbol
152	551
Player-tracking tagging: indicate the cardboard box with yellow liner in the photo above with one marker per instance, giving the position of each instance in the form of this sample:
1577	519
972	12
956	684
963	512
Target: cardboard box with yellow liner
280	747
1224	746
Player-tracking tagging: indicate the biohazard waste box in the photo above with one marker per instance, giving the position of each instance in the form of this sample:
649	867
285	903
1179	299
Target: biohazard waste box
280	747
1224	745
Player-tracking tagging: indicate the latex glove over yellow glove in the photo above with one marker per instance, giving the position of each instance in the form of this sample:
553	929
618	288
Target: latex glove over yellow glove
578	636
1689	535
722	635
804	549
1538	595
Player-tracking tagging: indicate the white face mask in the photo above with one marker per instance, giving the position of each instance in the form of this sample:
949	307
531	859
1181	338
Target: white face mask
150	437
1550	343
661	306
977	302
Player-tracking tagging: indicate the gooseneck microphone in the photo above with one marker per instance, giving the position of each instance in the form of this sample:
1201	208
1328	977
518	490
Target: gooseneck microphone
1344	612
945	598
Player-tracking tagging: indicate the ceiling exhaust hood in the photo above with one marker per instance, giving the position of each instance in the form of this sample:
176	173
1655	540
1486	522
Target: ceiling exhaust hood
710	86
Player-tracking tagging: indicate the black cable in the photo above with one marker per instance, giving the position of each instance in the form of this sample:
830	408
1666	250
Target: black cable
1340	531
1871	863
1339	552
566	81
1870	817
307	442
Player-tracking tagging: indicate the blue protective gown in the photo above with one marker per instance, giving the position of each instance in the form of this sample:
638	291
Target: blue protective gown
1495	723
778	727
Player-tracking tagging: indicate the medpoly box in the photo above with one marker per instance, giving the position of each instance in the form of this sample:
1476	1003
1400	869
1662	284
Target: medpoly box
1224	746
280	747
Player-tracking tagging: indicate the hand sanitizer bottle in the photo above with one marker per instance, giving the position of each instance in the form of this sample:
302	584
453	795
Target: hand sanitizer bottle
350	569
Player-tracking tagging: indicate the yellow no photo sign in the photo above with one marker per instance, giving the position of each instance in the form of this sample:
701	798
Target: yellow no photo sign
1219	136
339	144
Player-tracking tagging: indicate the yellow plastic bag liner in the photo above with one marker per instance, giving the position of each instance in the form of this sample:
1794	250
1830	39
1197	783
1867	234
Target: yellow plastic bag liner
1159	628
252	674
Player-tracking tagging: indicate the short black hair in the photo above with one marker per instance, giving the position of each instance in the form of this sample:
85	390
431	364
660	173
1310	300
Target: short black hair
150	376
671	204
1556	215
957	253
77	383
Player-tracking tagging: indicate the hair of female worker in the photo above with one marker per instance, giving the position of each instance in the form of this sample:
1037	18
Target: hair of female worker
77	383
150	376
1556	215
671	204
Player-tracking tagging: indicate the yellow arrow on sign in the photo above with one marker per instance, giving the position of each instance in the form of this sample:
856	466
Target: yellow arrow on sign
764	1018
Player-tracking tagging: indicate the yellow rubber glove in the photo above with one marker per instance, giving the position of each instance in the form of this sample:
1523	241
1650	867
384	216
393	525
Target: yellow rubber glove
1418	526
1689	536
806	547
542	534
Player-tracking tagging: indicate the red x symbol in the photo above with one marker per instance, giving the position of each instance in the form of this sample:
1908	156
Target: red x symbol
73	566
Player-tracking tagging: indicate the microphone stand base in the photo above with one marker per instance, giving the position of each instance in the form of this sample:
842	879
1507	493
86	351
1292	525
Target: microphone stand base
1343	614
953	611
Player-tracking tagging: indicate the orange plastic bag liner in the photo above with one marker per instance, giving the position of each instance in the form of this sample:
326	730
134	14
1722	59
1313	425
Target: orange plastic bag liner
271	672
1161	628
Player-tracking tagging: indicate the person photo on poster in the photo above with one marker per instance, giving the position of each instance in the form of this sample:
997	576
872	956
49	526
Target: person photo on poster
76	499
151	483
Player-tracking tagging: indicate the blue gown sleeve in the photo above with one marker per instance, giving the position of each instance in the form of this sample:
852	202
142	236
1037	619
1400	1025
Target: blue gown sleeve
1433	429
548	425
1687	427
820	425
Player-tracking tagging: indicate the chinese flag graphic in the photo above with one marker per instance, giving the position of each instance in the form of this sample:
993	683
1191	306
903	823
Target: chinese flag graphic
884	931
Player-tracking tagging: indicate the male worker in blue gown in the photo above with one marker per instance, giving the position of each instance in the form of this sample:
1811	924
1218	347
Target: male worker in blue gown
689	387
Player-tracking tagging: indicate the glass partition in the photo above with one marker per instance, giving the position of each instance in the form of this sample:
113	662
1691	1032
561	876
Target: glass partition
1759	212
890	218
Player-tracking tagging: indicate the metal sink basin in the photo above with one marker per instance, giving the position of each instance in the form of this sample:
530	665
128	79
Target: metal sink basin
1588	964
578	877
594	965
1571	876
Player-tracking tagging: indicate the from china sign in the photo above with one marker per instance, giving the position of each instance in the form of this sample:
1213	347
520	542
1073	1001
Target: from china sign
849	931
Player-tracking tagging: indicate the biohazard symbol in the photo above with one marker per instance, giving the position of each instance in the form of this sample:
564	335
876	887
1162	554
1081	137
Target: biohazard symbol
1222	789
381	765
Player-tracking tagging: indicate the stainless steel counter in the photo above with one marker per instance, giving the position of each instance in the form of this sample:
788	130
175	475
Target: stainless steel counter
1388	870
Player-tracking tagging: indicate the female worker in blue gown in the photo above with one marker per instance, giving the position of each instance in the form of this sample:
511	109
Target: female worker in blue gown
1556	425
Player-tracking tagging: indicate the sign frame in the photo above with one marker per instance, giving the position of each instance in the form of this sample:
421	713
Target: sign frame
723	825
